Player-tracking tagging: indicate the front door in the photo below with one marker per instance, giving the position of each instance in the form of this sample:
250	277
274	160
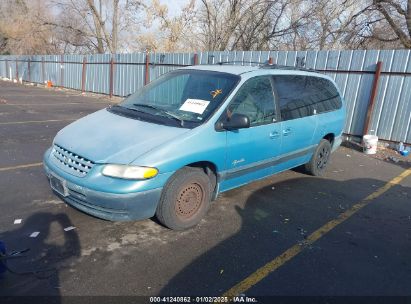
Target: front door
250	150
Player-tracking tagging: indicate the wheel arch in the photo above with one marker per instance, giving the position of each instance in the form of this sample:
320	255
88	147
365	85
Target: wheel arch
330	137
211	170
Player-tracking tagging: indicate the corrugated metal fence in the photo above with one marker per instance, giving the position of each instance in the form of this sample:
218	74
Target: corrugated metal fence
354	71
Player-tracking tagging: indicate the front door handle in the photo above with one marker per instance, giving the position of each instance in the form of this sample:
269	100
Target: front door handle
286	131
274	134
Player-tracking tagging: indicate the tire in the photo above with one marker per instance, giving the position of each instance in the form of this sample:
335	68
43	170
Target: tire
185	199
318	163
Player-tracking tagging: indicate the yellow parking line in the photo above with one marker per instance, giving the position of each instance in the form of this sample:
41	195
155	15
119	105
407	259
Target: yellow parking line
20	167
290	253
35	121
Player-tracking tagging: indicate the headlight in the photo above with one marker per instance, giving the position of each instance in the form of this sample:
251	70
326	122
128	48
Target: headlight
129	171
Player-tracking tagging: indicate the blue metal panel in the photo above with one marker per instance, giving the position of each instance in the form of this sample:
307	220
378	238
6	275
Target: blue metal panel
321	63
386	56
274	56
370	61
291	58
264	56
311	59
247	58
361	104
302	55
390	106
281	58
352	89
403	118
332	62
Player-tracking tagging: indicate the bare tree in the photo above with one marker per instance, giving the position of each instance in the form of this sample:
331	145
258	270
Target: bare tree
96	23
168	33
397	15
328	24
110	26
20	29
245	25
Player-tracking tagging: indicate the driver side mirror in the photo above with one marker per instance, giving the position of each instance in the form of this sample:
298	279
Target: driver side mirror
235	122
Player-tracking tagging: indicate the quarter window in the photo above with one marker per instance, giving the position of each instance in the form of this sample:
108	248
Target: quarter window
301	96
256	100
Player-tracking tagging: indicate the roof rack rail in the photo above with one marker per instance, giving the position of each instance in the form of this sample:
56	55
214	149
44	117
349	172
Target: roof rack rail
267	65
286	67
242	62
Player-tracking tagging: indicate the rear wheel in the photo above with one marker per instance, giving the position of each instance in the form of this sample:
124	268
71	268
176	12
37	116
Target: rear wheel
318	163
185	199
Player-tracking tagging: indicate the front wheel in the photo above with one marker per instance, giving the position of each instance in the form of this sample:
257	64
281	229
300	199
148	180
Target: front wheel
185	199
316	166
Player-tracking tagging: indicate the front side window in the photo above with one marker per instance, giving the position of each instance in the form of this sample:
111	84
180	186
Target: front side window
188	97
301	96
255	99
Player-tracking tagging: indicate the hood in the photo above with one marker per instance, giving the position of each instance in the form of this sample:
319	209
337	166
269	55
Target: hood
104	137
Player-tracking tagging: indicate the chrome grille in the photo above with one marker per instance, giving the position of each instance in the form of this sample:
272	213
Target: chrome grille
71	162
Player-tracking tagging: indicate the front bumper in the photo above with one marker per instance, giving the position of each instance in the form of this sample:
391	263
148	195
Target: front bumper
106	205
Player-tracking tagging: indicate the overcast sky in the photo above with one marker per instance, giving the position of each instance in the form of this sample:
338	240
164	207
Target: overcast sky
174	6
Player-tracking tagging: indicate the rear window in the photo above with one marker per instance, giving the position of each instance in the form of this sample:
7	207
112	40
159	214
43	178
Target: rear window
301	96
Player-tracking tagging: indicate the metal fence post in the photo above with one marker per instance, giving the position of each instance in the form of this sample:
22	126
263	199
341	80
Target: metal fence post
17	72
147	71
43	72
83	75
62	71
195	59
29	69
7	68
111	76
373	97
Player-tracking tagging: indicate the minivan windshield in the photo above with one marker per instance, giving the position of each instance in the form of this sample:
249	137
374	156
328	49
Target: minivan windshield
187	97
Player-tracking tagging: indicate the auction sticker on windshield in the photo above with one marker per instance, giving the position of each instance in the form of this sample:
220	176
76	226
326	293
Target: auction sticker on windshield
194	105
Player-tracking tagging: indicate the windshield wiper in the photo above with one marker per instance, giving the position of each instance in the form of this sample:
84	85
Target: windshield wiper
146	106
168	114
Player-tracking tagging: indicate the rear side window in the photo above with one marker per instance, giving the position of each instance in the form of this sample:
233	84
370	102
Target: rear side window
301	96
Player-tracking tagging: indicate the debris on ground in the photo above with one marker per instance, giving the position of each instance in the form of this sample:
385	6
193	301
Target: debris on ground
17	221
69	228
390	152
303	232
394	159
34	234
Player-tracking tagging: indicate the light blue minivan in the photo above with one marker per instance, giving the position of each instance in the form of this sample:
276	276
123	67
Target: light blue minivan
169	149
